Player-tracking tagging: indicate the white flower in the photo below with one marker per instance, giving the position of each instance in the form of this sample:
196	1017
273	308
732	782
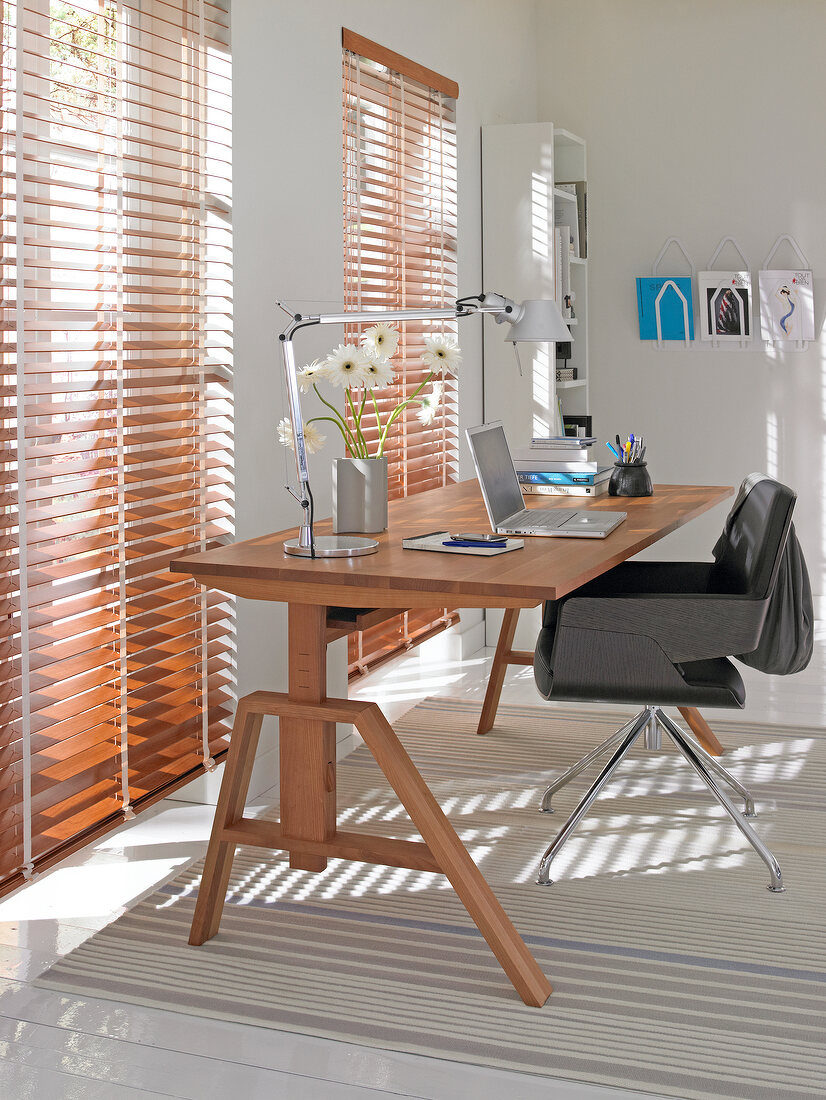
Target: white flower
313	439
346	366
378	373
430	404
309	374
442	354
380	341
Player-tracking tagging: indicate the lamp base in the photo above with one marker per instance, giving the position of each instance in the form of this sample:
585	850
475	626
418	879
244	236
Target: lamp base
333	546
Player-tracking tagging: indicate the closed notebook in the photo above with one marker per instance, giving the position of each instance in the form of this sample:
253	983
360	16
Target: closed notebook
435	540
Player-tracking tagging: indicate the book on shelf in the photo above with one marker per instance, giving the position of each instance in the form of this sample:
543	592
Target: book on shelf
577	425
581	191
553	460
538	456
563	440
563	477
566	490
533	461
566	220
557	465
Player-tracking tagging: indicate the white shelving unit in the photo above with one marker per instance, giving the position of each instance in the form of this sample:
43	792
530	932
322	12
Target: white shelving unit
521	167
570	166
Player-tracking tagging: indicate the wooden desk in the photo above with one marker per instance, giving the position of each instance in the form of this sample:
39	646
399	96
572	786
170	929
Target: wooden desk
398	579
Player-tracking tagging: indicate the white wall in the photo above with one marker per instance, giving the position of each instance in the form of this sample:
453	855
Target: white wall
703	119
288	218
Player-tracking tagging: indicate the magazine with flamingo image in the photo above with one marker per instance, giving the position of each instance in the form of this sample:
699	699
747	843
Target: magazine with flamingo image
787	305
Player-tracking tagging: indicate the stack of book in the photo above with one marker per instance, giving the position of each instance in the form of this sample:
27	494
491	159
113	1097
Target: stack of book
561	466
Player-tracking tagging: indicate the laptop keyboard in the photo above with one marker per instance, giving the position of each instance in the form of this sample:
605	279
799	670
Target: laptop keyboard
536	519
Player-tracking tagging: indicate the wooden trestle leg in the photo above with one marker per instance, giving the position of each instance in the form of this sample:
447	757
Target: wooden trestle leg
505	656
702	730
229	810
442	849
501	660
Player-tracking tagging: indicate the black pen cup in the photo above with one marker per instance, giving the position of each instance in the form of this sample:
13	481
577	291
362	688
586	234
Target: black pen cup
630	479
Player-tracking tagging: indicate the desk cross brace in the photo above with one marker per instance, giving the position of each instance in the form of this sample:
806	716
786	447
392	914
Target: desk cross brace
441	850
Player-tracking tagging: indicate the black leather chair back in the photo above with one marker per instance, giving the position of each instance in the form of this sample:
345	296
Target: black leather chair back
748	553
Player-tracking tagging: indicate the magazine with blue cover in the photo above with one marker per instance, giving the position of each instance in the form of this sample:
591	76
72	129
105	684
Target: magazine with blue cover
668	296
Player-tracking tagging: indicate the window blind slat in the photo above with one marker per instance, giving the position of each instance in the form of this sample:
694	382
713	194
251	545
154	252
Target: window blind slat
115	409
400	224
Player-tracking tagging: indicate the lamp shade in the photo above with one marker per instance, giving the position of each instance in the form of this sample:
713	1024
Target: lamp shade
539	320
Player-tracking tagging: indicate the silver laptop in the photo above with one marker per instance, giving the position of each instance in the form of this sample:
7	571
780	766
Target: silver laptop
505	504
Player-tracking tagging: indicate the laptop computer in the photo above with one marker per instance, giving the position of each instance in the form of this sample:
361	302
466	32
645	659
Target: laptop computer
504	501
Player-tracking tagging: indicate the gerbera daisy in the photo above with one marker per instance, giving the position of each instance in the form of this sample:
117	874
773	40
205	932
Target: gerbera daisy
430	404
378	373
313	439
346	366
442	354
381	340
309	374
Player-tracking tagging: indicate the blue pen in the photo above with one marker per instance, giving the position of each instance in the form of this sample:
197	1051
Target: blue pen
487	545
613	449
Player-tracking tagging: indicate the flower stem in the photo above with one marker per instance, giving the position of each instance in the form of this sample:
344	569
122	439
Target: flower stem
378	423
362	442
402	405
349	440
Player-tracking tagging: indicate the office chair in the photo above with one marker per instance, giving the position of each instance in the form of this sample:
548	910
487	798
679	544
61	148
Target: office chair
660	634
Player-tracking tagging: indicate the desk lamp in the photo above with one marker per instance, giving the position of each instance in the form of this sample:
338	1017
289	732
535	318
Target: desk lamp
535	321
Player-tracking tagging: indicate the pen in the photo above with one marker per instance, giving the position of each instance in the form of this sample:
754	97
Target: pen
482	545
613	449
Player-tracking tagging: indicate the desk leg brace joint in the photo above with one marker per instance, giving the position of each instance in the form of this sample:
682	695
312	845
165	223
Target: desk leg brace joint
441	850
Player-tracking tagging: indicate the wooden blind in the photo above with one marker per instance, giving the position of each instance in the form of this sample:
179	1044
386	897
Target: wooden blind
400	224
117	676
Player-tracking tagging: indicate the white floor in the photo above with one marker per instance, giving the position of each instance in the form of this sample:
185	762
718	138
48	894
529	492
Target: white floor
55	1047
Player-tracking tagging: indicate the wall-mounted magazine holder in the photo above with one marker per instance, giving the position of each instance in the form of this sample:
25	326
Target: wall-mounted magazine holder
726	307
673	310
786	300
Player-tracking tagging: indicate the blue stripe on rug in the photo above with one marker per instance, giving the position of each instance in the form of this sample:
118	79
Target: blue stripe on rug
726	965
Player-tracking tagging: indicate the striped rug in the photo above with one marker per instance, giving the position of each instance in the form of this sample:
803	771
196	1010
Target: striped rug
675	971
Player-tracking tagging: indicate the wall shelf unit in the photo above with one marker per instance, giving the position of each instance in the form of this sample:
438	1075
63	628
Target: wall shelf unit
524	168
523	203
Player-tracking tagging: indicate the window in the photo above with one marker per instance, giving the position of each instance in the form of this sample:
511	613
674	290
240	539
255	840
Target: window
117	678
400	224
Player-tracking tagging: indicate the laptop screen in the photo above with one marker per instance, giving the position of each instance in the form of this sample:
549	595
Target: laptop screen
494	468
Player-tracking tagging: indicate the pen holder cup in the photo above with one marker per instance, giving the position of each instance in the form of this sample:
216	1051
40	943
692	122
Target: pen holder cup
630	479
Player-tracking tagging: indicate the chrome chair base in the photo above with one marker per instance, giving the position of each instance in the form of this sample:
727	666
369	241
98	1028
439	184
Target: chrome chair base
652	722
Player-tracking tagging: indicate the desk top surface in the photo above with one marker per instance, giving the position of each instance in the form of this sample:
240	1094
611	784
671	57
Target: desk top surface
546	568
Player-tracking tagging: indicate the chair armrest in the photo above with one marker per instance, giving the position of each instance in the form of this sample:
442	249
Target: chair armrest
685	627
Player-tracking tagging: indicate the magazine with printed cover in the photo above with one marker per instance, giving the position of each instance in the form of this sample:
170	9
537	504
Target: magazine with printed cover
664	307
787	309
725	305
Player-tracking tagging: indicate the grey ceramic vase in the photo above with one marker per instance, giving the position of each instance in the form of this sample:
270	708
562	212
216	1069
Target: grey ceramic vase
359	495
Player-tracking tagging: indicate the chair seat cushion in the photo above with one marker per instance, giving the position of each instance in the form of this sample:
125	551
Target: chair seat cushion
711	682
